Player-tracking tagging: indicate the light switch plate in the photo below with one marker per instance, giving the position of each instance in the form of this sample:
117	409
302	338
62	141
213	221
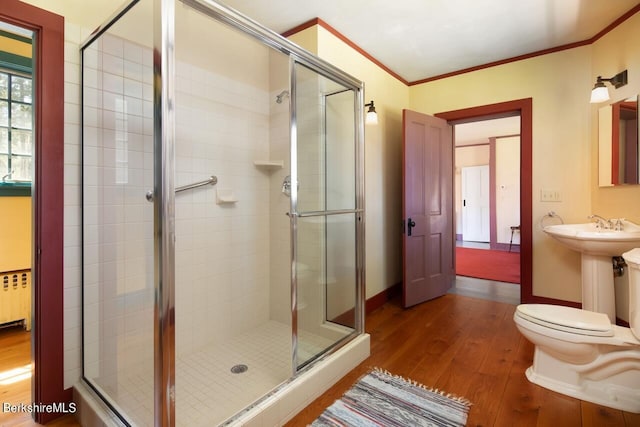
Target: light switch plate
550	195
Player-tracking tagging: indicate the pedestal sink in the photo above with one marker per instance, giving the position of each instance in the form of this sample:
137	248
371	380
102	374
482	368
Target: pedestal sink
597	246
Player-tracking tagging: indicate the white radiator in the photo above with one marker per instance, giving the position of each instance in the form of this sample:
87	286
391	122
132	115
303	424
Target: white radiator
15	297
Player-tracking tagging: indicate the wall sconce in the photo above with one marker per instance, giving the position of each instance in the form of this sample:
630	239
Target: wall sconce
372	117
600	93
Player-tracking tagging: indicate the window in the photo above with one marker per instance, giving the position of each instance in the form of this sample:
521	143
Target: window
16	127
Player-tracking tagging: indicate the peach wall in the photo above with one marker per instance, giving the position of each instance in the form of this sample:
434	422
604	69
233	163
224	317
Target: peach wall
383	162
560	149
15	229
16	47
383	149
616	51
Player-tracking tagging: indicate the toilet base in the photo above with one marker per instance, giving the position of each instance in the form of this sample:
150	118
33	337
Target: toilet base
612	380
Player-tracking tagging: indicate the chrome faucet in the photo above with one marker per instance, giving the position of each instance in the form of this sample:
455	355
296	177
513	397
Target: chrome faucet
618	224
601	222
4	178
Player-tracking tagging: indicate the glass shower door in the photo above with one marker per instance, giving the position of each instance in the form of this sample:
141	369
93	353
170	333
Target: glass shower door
117	219
327	215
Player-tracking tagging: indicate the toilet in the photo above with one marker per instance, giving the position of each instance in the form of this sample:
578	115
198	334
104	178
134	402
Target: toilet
581	354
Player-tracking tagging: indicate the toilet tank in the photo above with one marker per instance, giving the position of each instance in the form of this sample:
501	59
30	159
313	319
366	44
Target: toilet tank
632	258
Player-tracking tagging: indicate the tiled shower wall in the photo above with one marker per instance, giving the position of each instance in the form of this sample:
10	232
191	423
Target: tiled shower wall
280	204
118	220
222	232
233	259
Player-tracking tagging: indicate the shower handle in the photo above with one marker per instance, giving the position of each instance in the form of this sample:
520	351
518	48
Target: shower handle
410	224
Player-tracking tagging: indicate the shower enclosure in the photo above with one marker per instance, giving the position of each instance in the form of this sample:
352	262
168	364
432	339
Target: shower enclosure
223	223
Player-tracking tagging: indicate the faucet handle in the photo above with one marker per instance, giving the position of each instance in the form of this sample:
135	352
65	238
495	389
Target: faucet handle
618	224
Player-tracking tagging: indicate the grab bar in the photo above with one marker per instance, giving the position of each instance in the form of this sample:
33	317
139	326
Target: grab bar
213	180
324	213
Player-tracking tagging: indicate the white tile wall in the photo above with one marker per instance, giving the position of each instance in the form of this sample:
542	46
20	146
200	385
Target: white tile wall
222	250
232	260
118	220
72	271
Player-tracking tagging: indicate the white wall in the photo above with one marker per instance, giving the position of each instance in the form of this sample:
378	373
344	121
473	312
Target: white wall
507	188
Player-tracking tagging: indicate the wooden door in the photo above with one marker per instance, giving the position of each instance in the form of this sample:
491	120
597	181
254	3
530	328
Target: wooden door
475	203
427	207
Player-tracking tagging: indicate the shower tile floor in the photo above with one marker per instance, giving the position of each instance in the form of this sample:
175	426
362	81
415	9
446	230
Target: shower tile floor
207	392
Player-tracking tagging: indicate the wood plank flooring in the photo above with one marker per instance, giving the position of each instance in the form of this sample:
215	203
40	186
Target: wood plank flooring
15	352
469	347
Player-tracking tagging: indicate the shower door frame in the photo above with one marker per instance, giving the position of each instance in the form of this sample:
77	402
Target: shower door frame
298	55
358	209
164	186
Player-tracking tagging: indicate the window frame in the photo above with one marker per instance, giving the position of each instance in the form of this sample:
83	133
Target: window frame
17	66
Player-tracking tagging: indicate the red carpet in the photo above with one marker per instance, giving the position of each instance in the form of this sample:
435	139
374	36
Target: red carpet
488	264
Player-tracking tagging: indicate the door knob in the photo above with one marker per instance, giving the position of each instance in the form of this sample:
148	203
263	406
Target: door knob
410	224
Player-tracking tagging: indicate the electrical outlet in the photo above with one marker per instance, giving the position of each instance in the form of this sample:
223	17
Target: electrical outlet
547	195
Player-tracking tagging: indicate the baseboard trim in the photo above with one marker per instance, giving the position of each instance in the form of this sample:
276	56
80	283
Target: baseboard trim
383	297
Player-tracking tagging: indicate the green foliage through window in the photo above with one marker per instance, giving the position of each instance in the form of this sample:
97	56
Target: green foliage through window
16	127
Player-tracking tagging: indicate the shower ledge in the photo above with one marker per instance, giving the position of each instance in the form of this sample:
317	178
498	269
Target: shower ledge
225	197
269	165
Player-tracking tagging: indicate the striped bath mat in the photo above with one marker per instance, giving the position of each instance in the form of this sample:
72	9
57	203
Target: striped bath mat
382	399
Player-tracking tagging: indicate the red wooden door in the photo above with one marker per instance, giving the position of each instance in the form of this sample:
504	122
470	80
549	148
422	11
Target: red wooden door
427	208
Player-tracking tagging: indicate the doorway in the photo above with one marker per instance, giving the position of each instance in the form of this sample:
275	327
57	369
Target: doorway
522	109
47	351
487	200
16	155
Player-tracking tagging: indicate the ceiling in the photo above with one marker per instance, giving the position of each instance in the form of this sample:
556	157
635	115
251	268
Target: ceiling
479	132
420	39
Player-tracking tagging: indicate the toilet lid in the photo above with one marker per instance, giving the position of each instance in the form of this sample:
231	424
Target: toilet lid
567	319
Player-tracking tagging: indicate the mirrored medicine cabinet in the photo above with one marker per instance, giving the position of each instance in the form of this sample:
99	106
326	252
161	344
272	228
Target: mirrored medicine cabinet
618	154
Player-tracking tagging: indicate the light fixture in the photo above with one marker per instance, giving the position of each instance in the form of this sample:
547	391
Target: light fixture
372	117
600	93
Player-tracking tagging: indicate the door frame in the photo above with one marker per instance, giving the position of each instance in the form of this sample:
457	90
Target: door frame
47	347
523	107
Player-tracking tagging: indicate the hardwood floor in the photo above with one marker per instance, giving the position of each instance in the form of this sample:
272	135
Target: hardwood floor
15	345
469	347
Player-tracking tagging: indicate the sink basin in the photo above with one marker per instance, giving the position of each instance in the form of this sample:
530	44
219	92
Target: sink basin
588	239
597	246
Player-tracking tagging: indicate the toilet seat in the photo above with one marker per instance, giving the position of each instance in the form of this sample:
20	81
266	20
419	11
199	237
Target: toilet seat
567	319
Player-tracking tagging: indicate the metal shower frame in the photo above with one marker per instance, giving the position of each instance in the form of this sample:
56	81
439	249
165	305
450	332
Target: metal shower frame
164	185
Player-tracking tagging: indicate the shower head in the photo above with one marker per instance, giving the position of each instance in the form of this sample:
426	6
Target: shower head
281	96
